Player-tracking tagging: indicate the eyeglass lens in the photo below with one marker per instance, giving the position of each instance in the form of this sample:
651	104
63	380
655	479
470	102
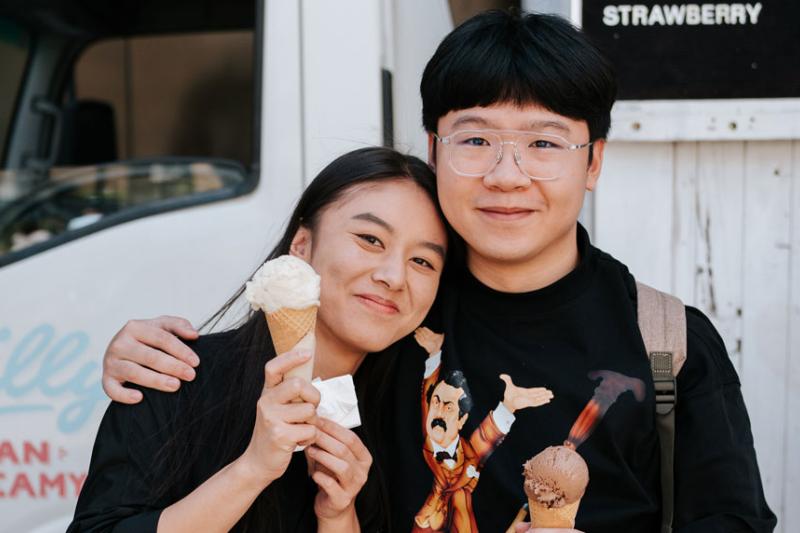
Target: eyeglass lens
540	155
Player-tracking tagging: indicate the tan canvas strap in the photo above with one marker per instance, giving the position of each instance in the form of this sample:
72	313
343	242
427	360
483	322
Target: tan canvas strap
662	322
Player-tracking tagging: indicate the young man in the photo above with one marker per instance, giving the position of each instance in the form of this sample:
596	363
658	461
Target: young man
517	109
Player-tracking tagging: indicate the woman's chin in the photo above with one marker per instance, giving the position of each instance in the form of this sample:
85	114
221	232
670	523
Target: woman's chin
371	341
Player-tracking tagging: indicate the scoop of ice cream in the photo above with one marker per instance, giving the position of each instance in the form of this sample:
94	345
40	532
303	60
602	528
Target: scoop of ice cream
283	282
556	477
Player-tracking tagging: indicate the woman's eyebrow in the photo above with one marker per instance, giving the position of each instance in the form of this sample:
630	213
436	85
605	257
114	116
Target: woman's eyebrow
369	217
439	249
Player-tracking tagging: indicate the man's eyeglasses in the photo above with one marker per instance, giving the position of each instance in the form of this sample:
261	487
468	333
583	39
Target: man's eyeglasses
540	156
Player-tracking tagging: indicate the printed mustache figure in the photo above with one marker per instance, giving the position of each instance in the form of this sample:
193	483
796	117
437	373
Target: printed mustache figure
456	462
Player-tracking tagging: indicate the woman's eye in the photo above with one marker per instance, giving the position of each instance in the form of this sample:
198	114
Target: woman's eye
423	262
371	239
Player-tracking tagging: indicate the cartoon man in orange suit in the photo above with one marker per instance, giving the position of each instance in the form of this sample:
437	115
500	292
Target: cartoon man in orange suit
456	462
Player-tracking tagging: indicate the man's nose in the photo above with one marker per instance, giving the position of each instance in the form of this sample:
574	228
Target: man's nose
391	272
506	175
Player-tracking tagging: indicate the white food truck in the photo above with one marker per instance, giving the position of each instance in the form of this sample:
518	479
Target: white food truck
150	153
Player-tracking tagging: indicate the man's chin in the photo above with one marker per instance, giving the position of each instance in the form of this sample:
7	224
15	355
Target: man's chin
436	435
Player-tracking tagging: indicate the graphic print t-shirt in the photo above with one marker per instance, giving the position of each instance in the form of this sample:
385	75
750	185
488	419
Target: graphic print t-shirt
569	337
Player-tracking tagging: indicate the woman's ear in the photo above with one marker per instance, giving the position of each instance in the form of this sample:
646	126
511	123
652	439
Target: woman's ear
301	244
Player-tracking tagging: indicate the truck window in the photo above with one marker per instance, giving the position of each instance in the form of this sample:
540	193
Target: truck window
145	124
14	44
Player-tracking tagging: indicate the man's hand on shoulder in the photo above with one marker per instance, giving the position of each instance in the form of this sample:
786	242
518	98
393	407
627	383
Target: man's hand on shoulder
149	353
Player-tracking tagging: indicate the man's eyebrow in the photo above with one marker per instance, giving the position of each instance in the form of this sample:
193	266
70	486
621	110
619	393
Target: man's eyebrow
472	120
536	125
369	217
549	124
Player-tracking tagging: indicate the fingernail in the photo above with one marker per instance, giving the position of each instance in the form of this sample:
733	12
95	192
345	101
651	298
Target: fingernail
189	374
194	360
173	383
135	396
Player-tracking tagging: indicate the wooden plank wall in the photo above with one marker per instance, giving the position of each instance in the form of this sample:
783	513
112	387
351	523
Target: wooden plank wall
718	224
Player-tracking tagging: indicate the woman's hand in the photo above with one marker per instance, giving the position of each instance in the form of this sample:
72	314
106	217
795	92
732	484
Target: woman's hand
340	465
285	418
149	353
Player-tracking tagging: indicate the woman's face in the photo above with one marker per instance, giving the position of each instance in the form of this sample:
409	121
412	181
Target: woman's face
379	250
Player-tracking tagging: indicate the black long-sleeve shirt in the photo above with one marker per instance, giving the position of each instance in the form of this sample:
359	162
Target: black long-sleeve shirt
554	337
122	491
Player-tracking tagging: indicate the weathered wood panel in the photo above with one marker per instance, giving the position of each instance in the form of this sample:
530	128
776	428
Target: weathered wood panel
718	224
684	223
633	210
765	305
719	203
791	489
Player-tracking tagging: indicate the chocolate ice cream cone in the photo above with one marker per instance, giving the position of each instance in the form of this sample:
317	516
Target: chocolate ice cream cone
556	517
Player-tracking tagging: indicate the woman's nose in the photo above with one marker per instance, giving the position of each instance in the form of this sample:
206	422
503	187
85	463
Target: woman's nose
391	273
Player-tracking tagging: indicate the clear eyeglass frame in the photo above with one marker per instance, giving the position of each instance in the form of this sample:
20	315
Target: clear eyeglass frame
566	147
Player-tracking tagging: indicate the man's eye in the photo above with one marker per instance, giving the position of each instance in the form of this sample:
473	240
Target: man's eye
544	143
371	239
475	141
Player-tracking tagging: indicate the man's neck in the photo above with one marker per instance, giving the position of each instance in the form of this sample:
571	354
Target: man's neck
545	268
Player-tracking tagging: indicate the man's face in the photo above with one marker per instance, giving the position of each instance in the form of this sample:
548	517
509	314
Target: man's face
443	423
504	216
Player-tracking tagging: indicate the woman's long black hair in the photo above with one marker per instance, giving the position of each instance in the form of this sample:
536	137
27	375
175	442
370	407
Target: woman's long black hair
250	344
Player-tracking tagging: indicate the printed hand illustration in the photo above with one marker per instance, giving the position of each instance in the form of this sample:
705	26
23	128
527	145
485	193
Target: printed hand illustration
519	398
432	342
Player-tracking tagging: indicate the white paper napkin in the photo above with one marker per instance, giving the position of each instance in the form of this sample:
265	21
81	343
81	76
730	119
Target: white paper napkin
338	401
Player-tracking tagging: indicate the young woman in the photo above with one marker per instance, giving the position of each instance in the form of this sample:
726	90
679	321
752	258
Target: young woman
219	454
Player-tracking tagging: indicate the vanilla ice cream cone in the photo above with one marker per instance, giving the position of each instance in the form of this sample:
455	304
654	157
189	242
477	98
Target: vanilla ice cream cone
294	328
287	290
555	517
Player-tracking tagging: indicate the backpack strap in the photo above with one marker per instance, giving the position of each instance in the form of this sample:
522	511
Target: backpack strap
662	322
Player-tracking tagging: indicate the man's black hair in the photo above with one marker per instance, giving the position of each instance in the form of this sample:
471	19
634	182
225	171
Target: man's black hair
507	57
456	379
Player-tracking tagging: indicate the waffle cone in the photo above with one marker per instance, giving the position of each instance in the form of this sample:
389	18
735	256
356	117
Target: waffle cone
556	517
288	326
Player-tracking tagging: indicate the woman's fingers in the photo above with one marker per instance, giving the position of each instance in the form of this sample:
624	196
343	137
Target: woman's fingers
336	439
331	487
280	364
340	468
294	413
291	389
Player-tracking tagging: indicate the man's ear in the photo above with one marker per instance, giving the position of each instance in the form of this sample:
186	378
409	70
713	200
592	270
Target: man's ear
432	151
301	244
593	173
462	421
